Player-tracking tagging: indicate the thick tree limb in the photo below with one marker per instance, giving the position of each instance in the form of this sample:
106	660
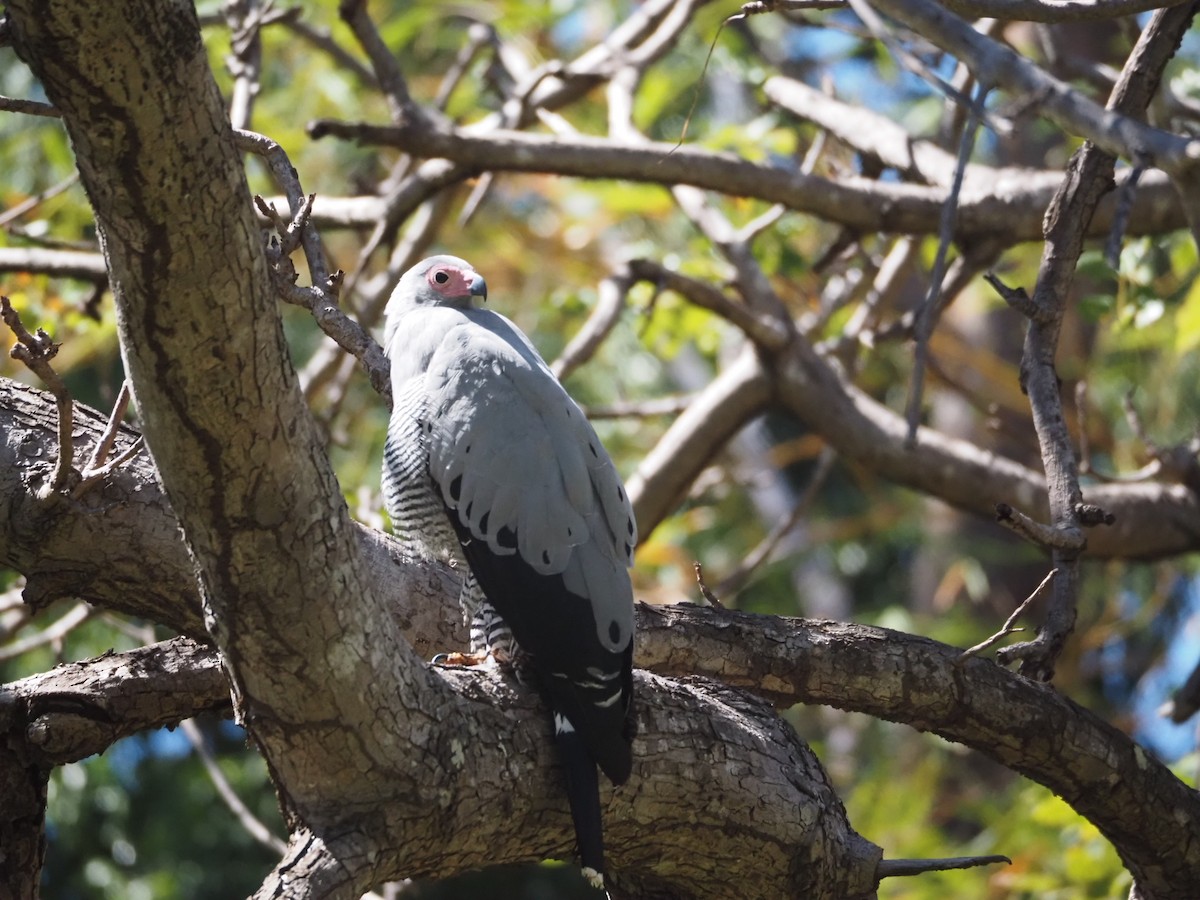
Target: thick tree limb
858	203
1054	10
785	661
82	708
1019	723
1151	817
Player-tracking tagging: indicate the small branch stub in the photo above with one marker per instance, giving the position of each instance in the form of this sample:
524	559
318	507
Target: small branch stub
1017	298
1090	515
1070	540
713	600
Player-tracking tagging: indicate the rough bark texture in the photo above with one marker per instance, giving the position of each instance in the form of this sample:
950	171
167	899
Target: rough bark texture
396	769
1151	817
389	768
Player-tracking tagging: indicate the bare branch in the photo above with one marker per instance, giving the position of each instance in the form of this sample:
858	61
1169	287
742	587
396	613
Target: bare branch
387	71
764	330
81	708
996	64
892	868
321	299
736	579
15	212
36	351
1054	10
641	409
712	599
1151	816
611	297
245	19
738	394
63	263
29	107
1048	537
1088	177
241	813
858	203
1009	626
53	633
924	319
1016	10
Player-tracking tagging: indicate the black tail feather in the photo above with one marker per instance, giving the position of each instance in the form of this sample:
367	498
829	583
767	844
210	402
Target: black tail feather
583	793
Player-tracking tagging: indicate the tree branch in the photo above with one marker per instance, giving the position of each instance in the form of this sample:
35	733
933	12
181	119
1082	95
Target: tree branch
82	708
858	203
1151	817
786	661
735	397
1088	177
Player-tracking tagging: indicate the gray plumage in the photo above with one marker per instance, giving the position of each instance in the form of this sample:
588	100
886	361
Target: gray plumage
490	462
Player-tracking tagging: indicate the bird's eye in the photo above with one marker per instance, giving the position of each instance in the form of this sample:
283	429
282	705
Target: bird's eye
441	276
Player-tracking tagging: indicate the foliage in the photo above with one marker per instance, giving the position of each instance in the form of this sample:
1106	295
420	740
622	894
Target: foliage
142	821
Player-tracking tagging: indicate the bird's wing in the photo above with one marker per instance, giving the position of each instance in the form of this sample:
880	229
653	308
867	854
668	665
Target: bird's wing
511	450
543	520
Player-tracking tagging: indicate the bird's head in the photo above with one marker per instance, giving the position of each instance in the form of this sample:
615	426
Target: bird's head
438	281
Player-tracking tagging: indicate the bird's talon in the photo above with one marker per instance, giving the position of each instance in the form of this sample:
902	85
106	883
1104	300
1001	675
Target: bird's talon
461	659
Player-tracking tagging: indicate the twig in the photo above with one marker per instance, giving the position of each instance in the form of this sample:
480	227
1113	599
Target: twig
301	205
883	33
758	7
96	468
1183	705
868	205
1117	129
708	595
321	299
1125	197
734	581
323	40
938	275
1009	623
641	409
52	633
612	294
245	19
383	62
36	351
766	331
29	107
892	868
1018	298
104	445
1134	419
1081	420
255	828
29	203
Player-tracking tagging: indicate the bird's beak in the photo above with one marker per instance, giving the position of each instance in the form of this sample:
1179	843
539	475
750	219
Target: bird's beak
479	287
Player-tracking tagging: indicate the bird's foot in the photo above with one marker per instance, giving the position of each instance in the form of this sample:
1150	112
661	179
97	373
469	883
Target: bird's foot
475	658
515	662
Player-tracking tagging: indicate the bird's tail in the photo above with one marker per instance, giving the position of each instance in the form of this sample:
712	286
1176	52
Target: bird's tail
583	794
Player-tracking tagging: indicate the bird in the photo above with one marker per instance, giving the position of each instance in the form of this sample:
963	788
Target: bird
489	462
